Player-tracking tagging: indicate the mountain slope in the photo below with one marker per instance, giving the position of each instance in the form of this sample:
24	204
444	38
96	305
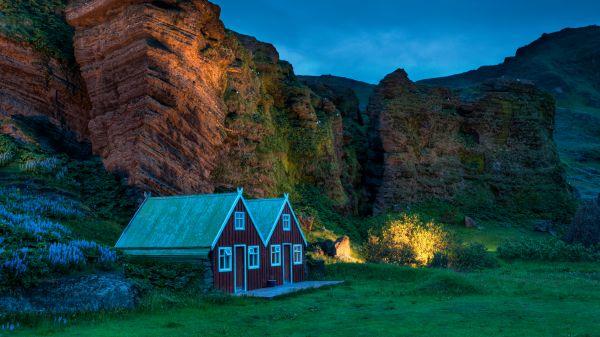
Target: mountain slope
566	64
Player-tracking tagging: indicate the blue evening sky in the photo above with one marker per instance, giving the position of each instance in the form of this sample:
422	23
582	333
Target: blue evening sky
366	40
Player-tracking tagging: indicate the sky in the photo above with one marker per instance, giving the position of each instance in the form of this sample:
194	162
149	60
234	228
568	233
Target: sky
365	40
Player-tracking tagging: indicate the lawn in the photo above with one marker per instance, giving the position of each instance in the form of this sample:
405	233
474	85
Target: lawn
516	299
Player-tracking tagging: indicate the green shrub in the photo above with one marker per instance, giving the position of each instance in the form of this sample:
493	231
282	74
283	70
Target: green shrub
439	260
473	256
40	23
547	250
407	241
469	257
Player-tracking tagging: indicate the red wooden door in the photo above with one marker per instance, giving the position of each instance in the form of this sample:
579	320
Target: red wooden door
285	264
240	268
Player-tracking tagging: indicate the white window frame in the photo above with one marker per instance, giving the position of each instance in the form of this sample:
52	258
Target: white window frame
224	258
297	249
286	220
239	222
276	252
253	251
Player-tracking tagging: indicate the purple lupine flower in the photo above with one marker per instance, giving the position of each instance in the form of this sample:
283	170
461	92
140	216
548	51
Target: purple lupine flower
60	254
6	158
107	255
47	164
15	265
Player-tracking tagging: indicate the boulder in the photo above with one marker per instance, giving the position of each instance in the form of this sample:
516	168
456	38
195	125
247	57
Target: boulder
343	250
470	222
95	292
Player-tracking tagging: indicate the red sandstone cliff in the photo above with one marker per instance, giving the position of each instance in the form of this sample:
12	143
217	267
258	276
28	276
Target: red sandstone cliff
155	82
181	105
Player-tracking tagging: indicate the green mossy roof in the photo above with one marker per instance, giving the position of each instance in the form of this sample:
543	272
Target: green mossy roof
178	222
265	213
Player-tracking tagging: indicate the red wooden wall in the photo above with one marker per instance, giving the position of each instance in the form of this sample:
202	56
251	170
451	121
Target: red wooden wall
280	237
257	278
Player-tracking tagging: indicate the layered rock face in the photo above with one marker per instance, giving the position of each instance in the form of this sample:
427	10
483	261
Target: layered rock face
33	84
154	81
492	142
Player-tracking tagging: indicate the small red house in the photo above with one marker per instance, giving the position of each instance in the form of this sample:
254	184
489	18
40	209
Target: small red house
237	250
285	241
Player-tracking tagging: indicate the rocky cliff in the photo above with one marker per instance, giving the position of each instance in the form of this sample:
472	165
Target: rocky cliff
179	104
489	145
175	103
564	63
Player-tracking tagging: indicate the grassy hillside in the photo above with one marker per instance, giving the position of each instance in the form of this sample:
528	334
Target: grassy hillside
59	214
517	299
564	63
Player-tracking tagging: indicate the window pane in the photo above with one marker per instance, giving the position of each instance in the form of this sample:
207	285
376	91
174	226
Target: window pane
286	222
240	220
253	257
225	259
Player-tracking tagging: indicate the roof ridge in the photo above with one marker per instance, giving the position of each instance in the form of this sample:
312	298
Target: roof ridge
265	199
195	196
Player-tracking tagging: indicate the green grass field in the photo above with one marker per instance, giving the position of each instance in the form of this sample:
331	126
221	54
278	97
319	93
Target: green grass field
516	299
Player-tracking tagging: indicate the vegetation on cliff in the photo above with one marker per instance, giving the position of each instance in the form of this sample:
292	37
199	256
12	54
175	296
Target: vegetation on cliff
39	23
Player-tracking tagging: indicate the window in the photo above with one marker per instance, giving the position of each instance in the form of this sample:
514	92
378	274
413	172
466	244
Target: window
287	222
240	221
224	259
253	257
297	254
276	255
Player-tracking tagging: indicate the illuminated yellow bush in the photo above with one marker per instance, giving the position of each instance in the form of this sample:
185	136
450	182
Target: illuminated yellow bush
407	241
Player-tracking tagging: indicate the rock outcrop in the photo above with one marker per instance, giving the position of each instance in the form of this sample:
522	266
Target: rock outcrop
492	143
85	293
